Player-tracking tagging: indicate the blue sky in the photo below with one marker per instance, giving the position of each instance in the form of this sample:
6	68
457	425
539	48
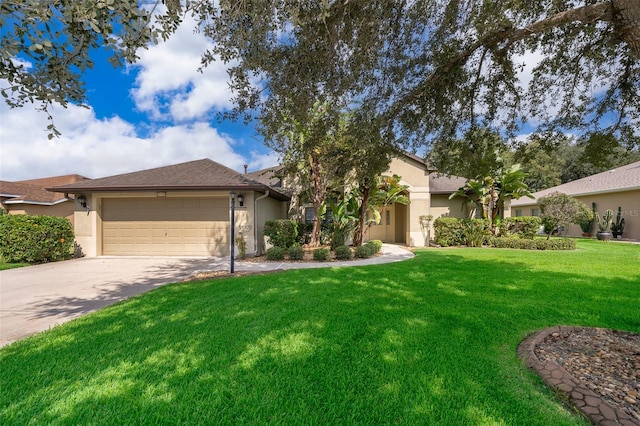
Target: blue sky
157	112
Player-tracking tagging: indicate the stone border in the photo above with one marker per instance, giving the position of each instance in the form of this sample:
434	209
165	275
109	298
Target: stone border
557	378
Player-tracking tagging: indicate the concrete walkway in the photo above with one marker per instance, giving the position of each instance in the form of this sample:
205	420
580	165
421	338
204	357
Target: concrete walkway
36	298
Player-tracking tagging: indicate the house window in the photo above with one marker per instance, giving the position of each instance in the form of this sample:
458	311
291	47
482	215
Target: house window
518	212
388	217
309	214
535	212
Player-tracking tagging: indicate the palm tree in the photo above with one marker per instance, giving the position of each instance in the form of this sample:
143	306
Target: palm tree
387	191
490	192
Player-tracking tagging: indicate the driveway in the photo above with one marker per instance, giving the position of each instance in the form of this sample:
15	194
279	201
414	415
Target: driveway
36	298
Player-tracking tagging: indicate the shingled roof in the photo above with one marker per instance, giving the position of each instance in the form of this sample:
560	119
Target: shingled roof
202	174
624	178
441	184
33	191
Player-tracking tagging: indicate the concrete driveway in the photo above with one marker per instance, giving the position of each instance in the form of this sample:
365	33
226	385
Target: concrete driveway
36	298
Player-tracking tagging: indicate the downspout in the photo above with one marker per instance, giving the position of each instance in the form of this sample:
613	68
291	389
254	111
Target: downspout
255	220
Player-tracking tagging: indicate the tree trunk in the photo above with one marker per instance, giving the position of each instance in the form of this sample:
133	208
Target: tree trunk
626	15
358	238
318	199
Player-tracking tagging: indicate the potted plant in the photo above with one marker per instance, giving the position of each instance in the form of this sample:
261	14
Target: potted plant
618	225
585	219
604	223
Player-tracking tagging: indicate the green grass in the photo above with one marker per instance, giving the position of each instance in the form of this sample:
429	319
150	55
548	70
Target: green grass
427	341
6	265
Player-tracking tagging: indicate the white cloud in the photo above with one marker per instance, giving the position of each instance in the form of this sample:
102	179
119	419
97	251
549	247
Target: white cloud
102	147
168	84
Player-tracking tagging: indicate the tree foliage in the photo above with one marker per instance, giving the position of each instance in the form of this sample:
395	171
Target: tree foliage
428	68
558	209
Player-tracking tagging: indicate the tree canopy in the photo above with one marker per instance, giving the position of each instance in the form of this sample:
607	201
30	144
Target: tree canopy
428	69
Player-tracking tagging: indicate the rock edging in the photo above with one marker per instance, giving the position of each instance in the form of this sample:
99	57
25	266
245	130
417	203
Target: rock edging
557	378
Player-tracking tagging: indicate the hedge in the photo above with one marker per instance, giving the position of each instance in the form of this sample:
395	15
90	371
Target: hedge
321	254
35	239
535	244
296	253
343	253
364	251
449	231
281	232
522	226
276	253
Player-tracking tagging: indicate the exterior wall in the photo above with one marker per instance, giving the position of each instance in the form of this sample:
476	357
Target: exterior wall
88	222
64	209
266	209
628	200
415	175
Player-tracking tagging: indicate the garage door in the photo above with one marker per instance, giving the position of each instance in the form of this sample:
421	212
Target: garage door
165	226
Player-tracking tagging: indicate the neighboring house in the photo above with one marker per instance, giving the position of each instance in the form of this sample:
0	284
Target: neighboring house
619	187
30	197
179	210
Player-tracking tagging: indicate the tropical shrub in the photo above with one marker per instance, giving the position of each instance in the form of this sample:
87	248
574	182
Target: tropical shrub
448	231
281	232
343	253
35	239
475	232
321	254
523	226
276	253
535	244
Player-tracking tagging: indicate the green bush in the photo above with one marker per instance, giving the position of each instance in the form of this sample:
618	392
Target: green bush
343	253
281	232
364	251
449	231
522	226
35	239
535	244
321	254
377	245
296	253
276	253
475	232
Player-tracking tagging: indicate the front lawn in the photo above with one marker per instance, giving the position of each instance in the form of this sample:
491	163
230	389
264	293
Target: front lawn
427	341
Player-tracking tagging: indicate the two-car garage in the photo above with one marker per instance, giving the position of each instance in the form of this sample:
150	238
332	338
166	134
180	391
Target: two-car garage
196	226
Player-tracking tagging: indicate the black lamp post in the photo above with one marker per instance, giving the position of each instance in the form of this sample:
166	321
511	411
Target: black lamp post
233	228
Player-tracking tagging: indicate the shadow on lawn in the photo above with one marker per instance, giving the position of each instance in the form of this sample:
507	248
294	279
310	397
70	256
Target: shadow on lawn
381	344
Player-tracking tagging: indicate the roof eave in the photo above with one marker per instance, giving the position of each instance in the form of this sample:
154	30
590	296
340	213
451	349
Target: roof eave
261	188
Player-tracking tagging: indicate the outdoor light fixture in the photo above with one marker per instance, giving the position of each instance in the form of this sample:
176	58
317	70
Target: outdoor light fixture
83	201
240	200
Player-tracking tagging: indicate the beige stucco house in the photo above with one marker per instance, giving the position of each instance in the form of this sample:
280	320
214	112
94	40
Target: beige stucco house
181	210
184	209
619	187
428	193
30	197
